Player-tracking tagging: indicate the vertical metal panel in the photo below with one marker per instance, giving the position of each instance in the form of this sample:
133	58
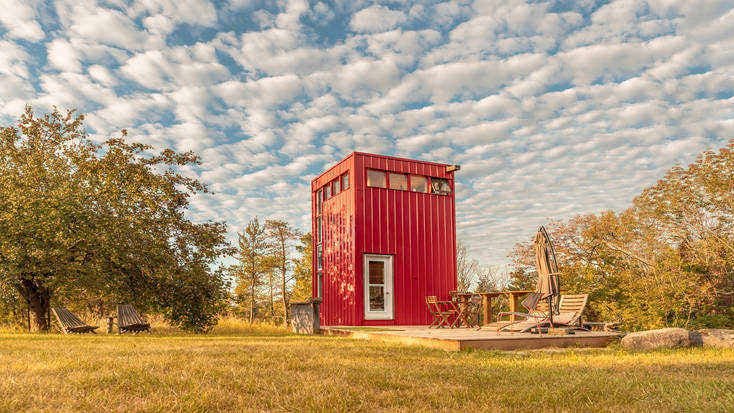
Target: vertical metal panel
338	221
417	229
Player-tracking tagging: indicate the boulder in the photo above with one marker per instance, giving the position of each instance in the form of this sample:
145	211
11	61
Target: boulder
717	337
663	338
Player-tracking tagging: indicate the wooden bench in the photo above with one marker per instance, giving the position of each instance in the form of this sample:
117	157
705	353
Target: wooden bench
71	324
129	321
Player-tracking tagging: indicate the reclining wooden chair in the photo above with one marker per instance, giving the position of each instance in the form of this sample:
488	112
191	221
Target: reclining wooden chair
71	324
570	310
129	321
441	316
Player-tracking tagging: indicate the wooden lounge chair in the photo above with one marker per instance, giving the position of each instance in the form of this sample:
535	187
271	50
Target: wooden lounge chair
441	316
571	309
71	324
129	321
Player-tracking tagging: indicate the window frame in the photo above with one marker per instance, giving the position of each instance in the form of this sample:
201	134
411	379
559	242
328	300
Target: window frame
427	181
430	187
389	181
385	176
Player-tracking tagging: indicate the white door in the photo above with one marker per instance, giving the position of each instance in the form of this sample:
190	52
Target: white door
378	282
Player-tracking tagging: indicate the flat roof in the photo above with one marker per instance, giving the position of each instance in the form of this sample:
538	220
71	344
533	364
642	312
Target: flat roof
395	158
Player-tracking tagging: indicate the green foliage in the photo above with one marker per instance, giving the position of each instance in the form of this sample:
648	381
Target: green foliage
280	239
253	266
102	222
266	270
668	260
303	269
13	310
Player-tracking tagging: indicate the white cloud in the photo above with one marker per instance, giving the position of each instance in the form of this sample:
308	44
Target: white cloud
85	20
201	12
527	96
102	75
63	56
157	69
376	19
19	19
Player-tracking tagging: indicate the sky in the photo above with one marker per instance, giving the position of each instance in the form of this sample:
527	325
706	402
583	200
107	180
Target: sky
552	108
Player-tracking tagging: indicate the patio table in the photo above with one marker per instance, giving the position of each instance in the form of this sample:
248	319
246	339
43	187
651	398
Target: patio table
513	296
463	302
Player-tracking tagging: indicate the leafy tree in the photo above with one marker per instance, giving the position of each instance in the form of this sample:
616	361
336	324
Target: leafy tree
668	260
281	236
252	255
81	219
303	270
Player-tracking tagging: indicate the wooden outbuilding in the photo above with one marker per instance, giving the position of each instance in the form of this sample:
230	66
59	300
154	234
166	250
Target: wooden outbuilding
384	239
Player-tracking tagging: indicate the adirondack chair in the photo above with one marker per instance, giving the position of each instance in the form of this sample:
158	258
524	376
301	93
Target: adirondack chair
128	320
571	309
71	324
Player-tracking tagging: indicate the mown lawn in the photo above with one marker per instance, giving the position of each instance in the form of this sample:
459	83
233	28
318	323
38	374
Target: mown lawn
271	370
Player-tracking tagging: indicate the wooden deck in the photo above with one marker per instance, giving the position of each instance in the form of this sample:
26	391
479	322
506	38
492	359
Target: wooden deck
462	338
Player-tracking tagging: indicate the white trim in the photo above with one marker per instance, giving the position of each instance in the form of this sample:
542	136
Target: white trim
389	313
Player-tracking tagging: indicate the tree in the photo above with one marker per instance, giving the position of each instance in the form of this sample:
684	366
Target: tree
281	236
668	260
252	255
79	218
303	271
490	279
466	268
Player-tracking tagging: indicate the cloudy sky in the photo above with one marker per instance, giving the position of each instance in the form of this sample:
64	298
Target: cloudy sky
586	102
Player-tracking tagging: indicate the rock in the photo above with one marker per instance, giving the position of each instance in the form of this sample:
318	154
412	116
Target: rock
717	337
663	338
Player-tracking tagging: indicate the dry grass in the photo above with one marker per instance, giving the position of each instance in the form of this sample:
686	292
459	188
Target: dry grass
268	369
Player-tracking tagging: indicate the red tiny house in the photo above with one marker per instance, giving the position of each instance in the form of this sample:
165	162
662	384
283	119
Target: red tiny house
384	241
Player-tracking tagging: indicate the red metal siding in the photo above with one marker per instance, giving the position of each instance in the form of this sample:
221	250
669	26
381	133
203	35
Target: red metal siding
338	223
417	229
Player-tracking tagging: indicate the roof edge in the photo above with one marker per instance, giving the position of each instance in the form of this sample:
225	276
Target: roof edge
398	158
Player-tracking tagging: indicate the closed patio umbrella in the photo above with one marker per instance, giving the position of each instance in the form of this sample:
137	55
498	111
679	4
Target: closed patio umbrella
548	287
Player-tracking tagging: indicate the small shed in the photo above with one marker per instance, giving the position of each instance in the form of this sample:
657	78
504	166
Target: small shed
384	239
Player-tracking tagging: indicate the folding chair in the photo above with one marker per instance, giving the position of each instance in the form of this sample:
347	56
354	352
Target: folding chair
441	316
465	307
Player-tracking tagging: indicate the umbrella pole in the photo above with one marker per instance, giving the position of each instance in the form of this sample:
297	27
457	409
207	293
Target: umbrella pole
550	311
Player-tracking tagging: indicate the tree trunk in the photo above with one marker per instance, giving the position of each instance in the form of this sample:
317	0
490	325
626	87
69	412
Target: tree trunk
252	300
272	297
38	298
285	299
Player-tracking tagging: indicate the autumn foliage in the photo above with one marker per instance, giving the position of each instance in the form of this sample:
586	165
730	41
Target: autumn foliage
668	260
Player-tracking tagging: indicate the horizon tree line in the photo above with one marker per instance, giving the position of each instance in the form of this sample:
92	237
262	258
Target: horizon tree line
87	225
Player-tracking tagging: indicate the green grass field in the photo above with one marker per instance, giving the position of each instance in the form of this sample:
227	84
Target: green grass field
265	368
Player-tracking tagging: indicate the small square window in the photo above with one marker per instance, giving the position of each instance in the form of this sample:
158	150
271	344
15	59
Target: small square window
327	192
399	181
345	181
337	186
376	179
440	186
418	183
